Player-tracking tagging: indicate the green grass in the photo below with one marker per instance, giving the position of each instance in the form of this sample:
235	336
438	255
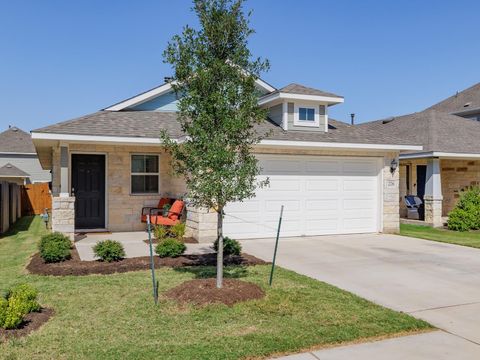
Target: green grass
471	239
113	316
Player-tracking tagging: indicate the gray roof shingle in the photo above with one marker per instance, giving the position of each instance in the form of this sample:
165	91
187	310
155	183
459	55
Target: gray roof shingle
303	90
11	170
468	99
147	124
15	140
435	130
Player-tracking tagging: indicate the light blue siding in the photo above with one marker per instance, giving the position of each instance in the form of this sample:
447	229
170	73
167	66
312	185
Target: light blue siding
164	102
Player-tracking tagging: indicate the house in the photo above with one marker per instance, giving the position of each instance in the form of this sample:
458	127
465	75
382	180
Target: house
450	160
18	158
331	177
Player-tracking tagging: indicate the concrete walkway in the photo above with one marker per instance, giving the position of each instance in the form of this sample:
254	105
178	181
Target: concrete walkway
437	282
133	243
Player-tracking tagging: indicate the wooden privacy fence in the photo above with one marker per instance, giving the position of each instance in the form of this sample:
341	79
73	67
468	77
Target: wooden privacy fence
35	199
10	205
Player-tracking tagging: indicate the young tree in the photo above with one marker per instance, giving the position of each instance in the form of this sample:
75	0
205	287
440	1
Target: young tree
214	78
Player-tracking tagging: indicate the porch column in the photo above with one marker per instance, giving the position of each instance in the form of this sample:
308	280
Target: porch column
63	205
64	191
433	193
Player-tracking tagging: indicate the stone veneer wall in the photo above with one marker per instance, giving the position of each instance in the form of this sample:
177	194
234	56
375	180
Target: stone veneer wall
63	215
456	175
124	209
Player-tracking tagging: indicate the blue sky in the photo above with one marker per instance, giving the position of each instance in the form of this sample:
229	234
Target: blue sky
62	59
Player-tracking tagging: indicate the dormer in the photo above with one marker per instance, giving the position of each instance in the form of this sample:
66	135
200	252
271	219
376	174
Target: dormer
300	108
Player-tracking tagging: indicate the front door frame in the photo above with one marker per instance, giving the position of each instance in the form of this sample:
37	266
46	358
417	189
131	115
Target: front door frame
106	181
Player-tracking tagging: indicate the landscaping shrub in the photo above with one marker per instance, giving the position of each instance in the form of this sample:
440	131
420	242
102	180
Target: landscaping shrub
55	247
20	301
27	295
466	215
178	231
230	246
3	311
160	232
109	250
170	247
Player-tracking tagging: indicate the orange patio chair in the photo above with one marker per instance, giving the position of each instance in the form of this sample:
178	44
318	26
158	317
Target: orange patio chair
148	210
173	216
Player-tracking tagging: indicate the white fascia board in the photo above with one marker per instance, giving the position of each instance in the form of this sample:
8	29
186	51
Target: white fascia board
265	85
311	144
287	96
96	139
16	153
440	154
15	176
159	90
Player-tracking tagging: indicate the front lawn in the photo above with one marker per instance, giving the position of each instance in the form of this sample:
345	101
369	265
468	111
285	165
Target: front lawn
471	239
113	316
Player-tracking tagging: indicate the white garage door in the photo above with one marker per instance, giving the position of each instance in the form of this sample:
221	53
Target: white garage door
322	195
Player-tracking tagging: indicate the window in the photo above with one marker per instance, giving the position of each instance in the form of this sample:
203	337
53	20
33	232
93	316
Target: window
144	174
306	114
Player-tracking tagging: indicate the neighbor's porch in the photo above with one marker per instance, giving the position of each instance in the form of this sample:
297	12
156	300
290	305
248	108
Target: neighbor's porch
438	181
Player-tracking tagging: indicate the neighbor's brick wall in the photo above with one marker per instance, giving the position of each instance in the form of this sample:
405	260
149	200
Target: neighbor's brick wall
457	175
124	209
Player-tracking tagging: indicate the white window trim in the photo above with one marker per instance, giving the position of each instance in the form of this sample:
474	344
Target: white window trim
307	123
147	174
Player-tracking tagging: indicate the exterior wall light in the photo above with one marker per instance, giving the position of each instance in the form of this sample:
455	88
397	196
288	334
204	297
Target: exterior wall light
393	166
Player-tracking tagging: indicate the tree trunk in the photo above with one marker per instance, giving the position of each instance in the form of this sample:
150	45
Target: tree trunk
220	248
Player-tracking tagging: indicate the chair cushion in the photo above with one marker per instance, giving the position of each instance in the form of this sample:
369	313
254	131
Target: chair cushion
176	210
160	220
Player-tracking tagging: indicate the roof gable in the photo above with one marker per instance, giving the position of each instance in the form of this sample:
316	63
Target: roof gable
15	140
9	170
463	101
151	98
435	130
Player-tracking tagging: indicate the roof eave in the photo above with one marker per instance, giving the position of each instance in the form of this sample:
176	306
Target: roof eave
330	100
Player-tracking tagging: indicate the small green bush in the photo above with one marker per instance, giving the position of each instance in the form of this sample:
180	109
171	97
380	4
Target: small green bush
160	232
178	231
55	247
230	246
109	250
21	300
27	294
170	247
3	311
466	215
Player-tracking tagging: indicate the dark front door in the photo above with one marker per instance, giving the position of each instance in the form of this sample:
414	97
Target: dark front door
88	186
421	178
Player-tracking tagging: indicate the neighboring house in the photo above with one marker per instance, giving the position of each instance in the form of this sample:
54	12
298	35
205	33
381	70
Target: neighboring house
450	159
18	158
333	178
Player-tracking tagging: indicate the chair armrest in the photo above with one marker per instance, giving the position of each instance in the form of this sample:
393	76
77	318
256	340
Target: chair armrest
146	210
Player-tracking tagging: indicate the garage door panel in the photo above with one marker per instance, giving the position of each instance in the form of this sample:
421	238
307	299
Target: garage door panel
321	195
328	184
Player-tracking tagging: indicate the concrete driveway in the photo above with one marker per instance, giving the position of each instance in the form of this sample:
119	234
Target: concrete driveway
437	282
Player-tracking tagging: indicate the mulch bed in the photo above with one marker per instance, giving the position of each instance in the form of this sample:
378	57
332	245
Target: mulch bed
188	240
75	266
204	292
31	322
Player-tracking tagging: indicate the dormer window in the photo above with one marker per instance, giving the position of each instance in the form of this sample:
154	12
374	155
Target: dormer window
306	116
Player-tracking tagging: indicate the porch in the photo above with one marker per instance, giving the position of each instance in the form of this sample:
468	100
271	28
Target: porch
438	181
134	243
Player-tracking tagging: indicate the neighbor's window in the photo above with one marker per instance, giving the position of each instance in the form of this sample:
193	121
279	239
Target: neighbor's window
145	174
306	114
